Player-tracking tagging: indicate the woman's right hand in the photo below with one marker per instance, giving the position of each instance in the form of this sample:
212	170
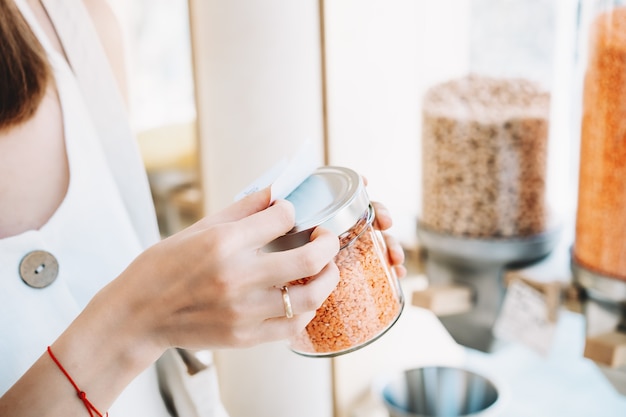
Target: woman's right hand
208	286
212	285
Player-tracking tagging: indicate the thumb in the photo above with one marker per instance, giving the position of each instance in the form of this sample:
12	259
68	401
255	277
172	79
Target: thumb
250	204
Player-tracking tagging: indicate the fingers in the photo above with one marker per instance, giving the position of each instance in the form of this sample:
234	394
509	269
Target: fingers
305	297
260	228
265	315
303	261
383	217
395	251
250	204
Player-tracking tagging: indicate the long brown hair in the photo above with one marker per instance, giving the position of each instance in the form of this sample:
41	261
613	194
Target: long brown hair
24	68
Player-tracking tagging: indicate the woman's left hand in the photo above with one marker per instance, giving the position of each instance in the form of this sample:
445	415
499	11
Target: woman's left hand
394	249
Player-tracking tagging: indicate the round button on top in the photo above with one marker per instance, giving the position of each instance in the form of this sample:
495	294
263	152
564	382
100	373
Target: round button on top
39	268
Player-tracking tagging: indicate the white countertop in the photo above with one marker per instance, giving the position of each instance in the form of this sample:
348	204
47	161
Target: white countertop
561	383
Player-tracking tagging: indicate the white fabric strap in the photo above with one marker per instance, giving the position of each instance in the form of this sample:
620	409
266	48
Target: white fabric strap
192	395
91	67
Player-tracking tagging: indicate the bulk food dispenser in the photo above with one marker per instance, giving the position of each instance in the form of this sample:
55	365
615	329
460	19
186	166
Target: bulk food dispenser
599	249
504	184
486	167
484	144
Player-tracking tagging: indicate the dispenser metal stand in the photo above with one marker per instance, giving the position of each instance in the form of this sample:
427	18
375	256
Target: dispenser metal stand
478	264
604	307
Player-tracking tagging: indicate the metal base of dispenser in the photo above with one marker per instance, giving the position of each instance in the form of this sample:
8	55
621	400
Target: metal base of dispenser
604	307
479	264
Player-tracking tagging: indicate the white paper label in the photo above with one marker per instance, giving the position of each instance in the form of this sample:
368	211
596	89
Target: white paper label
286	175
524	318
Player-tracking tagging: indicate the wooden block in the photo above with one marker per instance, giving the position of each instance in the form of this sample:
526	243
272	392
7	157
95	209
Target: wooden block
444	300
607	349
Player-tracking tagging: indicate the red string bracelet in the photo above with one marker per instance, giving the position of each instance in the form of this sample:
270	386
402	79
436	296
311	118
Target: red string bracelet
81	394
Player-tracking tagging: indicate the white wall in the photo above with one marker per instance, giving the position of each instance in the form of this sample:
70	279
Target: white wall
258	80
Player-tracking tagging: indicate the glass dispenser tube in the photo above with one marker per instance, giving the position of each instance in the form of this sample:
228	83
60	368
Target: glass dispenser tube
600	243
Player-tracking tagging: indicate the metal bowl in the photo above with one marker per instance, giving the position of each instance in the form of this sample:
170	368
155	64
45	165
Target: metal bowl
440	391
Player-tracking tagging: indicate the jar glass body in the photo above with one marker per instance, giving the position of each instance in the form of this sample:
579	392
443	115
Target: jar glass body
600	241
365	304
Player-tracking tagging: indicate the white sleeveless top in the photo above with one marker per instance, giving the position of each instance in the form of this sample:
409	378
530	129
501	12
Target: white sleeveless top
92	238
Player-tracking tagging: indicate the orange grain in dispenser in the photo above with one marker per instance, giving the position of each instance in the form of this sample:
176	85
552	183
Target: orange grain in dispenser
601	218
368	299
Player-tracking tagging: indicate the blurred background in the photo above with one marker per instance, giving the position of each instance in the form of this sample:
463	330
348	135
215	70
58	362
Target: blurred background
221	91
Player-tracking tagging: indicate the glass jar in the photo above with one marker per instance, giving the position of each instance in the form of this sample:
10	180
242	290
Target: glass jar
495	154
494	146
600	242
368	299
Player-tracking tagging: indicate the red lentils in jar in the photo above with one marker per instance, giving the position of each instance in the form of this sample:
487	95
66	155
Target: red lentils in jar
368	299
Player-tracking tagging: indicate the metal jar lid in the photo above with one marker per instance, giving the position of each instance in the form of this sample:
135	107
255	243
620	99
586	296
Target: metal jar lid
331	197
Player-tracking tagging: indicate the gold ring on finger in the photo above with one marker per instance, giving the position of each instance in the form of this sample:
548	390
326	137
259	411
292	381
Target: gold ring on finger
286	302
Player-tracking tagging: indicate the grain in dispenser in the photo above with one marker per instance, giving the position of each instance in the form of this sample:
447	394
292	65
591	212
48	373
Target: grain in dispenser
488	183
484	145
601	219
599	249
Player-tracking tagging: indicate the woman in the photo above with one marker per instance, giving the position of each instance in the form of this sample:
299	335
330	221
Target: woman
81	267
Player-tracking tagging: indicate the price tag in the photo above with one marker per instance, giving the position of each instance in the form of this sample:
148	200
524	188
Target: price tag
525	318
